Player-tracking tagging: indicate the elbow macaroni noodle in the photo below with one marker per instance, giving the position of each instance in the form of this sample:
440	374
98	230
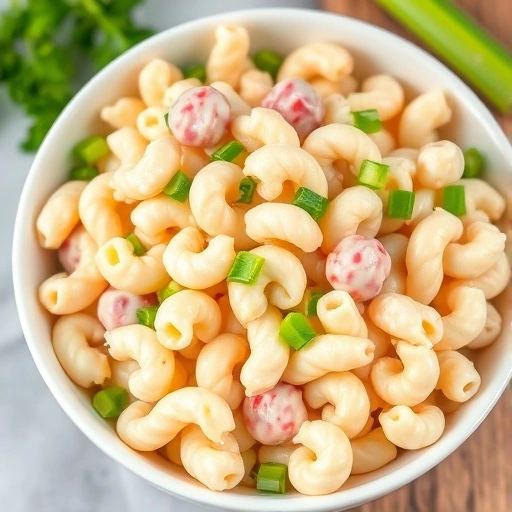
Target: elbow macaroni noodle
214	380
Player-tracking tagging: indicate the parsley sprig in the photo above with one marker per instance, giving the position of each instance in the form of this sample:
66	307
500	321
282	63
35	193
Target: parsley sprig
45	43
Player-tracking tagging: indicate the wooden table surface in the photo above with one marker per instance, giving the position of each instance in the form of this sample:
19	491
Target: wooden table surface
478	476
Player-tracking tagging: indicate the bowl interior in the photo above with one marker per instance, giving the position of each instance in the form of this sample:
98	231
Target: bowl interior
375	51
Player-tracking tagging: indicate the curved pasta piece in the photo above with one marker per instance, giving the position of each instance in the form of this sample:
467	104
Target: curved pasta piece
382	343
458	379
59	215
157	219
243	438
371	452
154	378
250	459
154	78
192	265
193	160
421	118
467	317
408	381
405	319
219	466
281	282
238	106
381	92
396	247
148	427
341	142
314	264
479	195
74	338
384	140
286	222
98	210
262	127
192	351
173	450
184	315
279	453
269	353
343	399
322	59
439	164
274	164
337	109
327	353
120	372
123	113
180	377
128	145
63	294
490	331
254	86
339	315
173	92
357	210
215	365
229	321
135	274
424	258
151	174
424	202
411	153
151	123
412	429
213	193
492	282
229	54
323	463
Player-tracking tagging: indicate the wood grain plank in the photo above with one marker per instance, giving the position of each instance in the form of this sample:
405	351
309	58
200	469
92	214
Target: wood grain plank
478	476
494	15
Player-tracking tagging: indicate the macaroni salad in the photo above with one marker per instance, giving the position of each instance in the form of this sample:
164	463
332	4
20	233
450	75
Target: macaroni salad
272	272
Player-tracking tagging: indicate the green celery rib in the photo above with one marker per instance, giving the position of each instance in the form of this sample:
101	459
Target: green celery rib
461	42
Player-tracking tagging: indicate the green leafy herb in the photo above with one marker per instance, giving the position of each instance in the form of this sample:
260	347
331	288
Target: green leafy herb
42	42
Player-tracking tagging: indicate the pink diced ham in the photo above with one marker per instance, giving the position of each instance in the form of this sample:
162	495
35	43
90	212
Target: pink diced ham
200	117
274	417
359	266
298	103
117	308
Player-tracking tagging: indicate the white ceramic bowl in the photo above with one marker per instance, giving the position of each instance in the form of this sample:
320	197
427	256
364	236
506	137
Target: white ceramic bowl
375	50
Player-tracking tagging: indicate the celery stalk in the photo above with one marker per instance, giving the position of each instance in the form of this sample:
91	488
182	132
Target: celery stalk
461	42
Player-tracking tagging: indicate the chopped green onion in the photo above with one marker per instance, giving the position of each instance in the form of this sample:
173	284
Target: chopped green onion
90	150
373	174
473	163
138	248
296	330
268	61
458	39
229	151
146	316
246	268
110	402
166	119
195	71
272	477
312	303
368	121
454	200
172	288
83	172
179	187
313	203
247	187
401	204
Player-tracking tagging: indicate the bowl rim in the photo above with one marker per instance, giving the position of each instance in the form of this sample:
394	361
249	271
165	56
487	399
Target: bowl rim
174	486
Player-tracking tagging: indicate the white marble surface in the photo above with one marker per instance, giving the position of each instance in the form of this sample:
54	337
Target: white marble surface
46	464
